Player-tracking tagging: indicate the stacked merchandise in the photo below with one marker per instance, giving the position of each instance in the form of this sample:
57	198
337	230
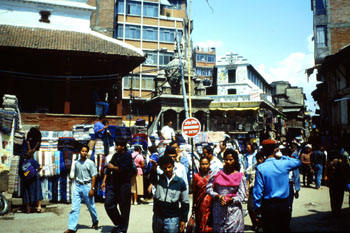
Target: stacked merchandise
11	140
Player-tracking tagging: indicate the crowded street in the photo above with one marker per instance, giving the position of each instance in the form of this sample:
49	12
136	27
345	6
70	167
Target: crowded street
311	213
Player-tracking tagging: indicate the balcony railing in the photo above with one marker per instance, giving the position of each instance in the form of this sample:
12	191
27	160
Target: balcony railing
241	98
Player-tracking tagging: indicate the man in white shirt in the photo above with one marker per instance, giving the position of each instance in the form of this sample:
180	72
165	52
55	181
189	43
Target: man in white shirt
168	133
215	163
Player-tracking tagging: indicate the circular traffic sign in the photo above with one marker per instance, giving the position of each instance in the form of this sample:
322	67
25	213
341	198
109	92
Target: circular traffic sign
191	126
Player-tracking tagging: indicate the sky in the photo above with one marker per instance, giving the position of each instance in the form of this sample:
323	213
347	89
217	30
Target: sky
275	36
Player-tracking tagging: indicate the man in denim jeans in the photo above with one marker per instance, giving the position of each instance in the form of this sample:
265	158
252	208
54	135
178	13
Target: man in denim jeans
101	105
170	191
318	160
84	188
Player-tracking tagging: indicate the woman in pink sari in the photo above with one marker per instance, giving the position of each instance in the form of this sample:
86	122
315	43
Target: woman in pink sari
228	190
202	200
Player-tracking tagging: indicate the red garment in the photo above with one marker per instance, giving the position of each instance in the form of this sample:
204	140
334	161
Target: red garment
202	202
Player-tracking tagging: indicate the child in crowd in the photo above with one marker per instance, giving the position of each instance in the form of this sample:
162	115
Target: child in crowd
84	188
170	192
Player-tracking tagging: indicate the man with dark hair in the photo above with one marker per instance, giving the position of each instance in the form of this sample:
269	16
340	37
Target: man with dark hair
179	168
170	192
117	181
222	146
271	188
215	163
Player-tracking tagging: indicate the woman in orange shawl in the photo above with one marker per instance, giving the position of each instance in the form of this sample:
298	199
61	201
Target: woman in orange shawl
202	200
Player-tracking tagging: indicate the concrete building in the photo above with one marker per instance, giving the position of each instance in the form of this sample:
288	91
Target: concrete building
51	60
204	62
332	39
242	103
291	101
150	25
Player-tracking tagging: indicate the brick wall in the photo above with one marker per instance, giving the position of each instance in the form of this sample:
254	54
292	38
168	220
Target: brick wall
61	122
339	11
339	25
102	19
340	38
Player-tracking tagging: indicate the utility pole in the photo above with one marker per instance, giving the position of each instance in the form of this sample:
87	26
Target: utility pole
189	58
182	74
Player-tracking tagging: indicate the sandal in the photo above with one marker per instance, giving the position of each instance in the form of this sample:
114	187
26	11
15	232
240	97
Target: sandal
38	210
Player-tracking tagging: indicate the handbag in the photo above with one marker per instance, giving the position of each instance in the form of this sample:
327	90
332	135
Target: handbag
29	171
191	224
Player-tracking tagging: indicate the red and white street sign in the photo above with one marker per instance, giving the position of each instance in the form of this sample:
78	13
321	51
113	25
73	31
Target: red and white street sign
191	126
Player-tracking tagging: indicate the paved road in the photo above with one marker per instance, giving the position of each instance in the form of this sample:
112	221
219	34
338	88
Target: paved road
311	214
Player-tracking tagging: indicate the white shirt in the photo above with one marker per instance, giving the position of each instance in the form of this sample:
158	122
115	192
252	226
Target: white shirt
167	132
215	164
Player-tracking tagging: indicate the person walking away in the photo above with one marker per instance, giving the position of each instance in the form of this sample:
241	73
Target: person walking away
271	188
83	190
117	184
168	133
338	172
306	165
228	189
202	200
137	179
32	193
318	160
215	164
171	202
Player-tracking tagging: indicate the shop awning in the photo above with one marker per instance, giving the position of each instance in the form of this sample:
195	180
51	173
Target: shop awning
234	109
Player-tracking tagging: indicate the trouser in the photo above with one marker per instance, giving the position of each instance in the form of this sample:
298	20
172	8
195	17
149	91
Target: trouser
275	215
318	168
336	194
250	207
165	225
307	175
102	108
290	200
81	192
118	195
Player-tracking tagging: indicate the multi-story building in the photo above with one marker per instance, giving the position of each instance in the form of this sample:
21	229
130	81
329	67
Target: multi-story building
331	26
242	102
291	101
151	25
204	62
332	38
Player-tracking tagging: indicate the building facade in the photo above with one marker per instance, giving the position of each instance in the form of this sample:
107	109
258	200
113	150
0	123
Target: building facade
150	25
242	103
204	62
291	101
52	60
332	39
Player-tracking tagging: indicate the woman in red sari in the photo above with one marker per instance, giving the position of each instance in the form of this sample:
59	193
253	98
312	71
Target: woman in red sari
202	200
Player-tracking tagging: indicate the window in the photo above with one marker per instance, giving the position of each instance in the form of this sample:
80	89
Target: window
320	7
151	58
150	33
232	76
120	31
176	4
132	32
150	10
134	8
121	4
147	83
167	35
205	58
165	58
231	91
135	82
321	36
211	58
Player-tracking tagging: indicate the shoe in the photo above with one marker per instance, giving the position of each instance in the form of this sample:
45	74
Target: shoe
95	225
69	231
39	210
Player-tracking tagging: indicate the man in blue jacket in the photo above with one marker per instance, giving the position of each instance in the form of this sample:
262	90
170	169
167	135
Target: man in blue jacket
171	191
271	188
